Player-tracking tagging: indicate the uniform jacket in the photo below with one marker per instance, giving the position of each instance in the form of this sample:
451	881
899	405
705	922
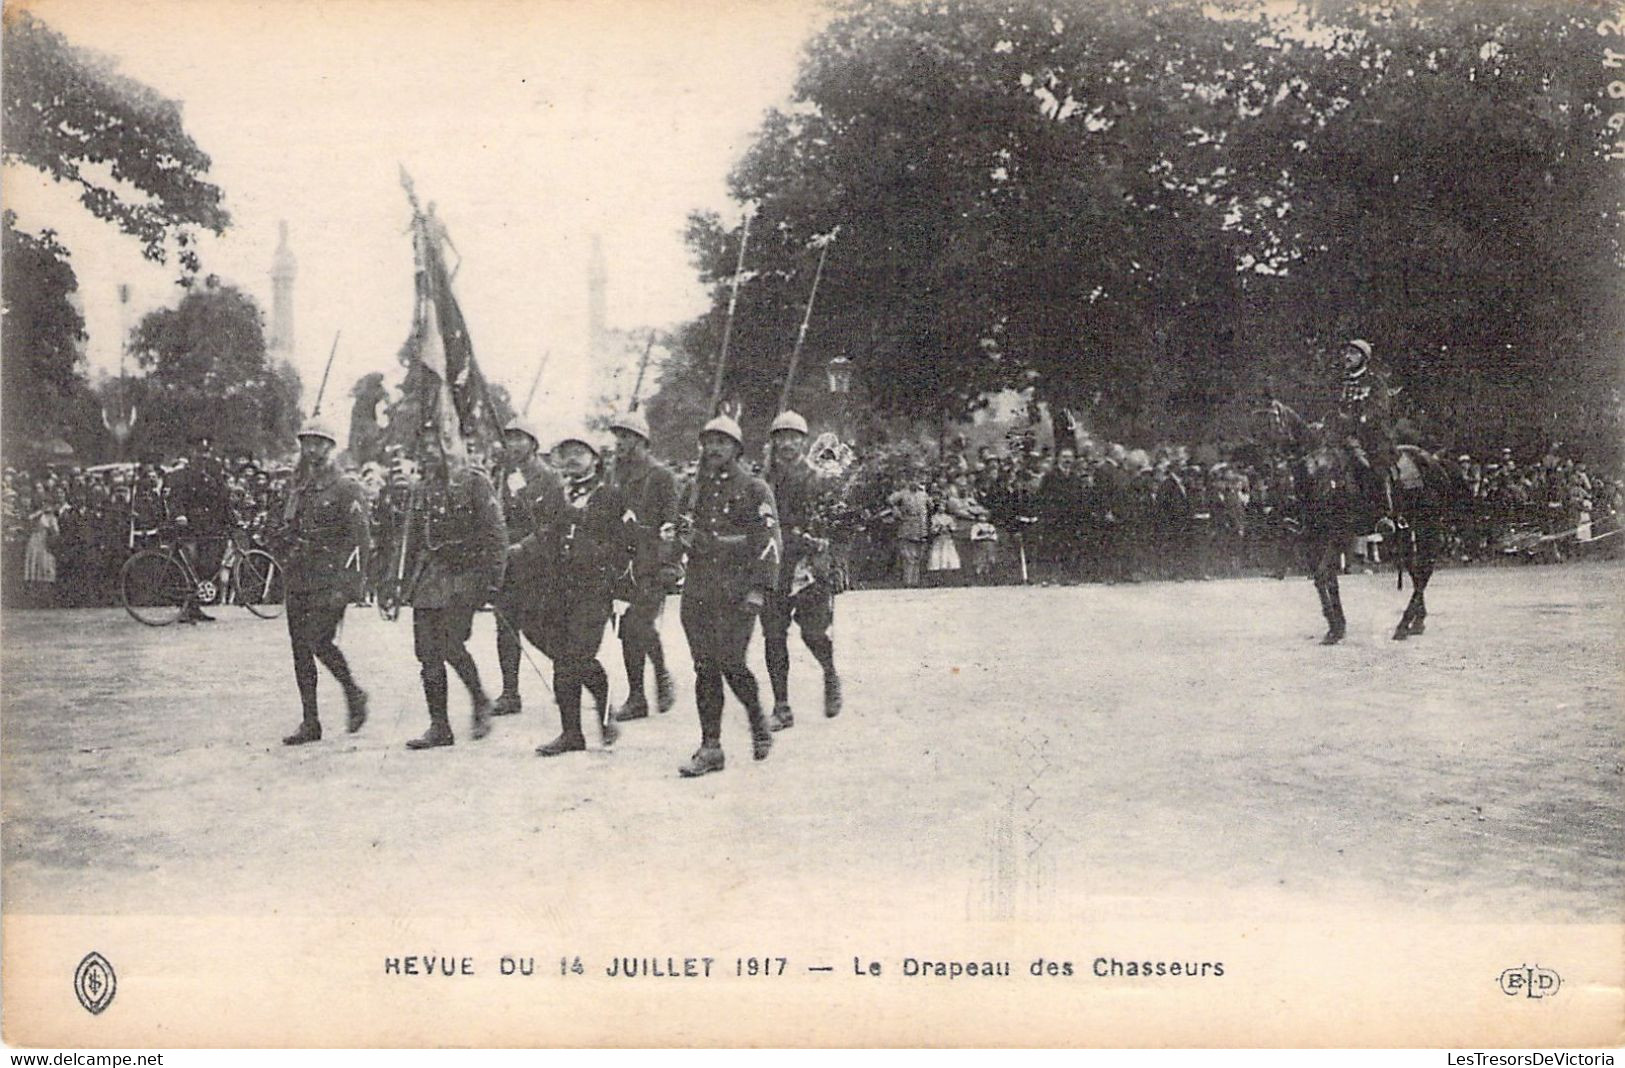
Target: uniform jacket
797	492
531	493
460	541
579	547
323	533
735	545
649	491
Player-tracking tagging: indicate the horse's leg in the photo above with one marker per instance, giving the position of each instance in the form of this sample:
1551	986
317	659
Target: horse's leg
1421	572
1331	601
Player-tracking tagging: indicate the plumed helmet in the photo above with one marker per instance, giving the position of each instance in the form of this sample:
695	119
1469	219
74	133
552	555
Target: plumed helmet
318	428
632	422
725	426
788	420
519	426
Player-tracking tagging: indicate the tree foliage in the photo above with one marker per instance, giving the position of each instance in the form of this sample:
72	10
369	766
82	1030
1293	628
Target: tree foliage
71	115
40	375
1152	212
207	372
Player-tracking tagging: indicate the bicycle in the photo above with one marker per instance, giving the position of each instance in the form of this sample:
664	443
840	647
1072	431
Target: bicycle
158	584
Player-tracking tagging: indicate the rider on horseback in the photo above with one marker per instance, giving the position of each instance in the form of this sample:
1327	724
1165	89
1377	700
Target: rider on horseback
1363	415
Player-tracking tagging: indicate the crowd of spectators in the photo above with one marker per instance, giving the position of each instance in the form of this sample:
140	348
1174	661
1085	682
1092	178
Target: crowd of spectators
68	530
914	515
1101	512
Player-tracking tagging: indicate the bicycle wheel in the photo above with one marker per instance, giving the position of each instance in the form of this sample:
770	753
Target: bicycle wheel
258	581
154	587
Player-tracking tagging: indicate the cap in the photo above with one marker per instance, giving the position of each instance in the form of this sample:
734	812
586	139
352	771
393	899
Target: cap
519	426
318	428
1363	346
724	426
632	422
788	420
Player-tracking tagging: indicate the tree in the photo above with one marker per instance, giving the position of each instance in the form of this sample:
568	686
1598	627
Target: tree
71	115
1153	212
207	371
43	329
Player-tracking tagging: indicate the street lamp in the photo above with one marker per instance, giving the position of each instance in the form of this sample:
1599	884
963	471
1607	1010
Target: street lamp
840	375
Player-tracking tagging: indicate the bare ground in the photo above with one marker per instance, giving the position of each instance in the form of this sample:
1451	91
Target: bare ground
1182	749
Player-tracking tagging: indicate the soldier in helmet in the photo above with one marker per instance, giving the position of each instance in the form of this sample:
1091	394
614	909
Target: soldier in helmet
530	491
1364	411
733	563
803	592
650	493
322	534
577	549
458	568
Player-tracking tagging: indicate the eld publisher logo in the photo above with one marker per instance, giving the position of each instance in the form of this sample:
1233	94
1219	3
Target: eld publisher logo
1536	982
94	982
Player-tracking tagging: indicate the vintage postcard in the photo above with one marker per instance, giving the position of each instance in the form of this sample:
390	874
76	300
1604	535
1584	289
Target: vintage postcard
813	523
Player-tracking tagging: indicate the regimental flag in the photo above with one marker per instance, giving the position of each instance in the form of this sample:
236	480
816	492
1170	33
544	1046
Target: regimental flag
454	402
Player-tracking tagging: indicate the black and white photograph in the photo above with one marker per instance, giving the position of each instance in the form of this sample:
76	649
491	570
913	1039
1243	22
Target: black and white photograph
812	523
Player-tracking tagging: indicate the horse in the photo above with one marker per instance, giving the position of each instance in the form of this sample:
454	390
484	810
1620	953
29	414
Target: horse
1338	502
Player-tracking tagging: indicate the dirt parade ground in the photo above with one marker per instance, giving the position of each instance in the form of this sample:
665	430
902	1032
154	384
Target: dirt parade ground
1003	751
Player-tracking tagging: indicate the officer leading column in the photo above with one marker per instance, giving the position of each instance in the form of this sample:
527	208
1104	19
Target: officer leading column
322	535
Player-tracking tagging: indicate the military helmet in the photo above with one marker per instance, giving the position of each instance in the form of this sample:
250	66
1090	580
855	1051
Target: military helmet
788	420
582	436
317	428
632	422
519	426
1364	349
726	427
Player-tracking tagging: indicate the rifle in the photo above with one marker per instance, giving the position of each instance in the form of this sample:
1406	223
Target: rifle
541	365
316	409
722	362
801	334
643	365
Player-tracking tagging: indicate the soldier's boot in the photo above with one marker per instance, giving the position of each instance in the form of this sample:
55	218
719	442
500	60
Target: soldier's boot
665	689
309	731
506	704
564	743
481	725
438	735
782	719
635	707
356	702
706	759
832	694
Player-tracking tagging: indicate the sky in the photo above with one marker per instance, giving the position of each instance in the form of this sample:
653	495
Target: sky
531	124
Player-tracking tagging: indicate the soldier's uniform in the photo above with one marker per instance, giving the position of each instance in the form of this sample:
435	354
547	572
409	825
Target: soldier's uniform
649	491
530	492
1364	413
458	567
577	550
803	591
734	550
323	537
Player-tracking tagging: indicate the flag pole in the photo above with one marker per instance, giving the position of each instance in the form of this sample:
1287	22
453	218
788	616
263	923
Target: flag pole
541	365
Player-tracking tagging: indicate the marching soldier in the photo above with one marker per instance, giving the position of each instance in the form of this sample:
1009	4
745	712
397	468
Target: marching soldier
578	550
649	490
734	549
529	490
324	541
803	592
458	568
